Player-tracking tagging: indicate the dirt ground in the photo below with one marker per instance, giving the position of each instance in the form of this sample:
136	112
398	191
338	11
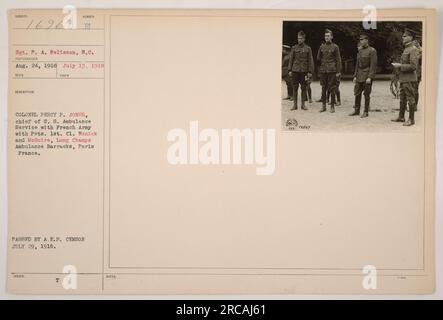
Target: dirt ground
383	108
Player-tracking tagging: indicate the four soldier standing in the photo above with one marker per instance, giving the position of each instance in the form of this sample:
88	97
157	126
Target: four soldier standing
298	66
301	67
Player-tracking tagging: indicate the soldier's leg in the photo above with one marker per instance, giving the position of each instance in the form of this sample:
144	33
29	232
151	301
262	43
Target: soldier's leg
288	86
410	96
323	83
358	88
285	78
367	92
297	85
295	89
304	97
403	102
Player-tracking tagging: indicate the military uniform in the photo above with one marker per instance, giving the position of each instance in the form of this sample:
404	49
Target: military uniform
285	73
301	63
330	64
408	81
365	68
337	92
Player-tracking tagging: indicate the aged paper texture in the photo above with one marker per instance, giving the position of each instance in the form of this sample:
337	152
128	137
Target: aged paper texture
150	151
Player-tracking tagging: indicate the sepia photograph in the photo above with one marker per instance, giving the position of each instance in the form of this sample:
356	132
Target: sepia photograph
342	76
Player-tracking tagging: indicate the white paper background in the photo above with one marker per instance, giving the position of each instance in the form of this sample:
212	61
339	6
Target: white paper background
226	4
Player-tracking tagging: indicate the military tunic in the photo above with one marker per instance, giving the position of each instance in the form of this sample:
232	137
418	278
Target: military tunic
366	65
300	59
329	57
409	63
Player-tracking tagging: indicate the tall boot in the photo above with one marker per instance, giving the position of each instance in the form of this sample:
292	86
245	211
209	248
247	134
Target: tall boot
295	94
290	89
323	98
356	111
411	120
401	114
366	112
357	103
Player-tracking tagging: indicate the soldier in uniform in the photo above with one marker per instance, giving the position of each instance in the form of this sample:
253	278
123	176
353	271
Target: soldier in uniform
364	73
301	67
285	71
407	78
330	69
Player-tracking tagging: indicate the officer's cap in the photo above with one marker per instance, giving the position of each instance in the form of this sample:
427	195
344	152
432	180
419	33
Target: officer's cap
364	35
409	32
328	31
301	34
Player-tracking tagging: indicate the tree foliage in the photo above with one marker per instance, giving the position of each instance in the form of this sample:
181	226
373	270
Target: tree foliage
386	39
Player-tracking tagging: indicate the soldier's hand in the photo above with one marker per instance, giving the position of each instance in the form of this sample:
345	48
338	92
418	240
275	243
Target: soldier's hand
338	74
309	75
354	80
396	65
290	73
368	80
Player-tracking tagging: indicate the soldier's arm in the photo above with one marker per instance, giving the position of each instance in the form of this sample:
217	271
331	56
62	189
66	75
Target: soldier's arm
338	56
319	54
311	62
413	62
373	66
290	60
356	66
285	63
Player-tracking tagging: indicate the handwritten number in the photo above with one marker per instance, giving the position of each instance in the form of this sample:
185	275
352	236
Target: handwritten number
51	23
